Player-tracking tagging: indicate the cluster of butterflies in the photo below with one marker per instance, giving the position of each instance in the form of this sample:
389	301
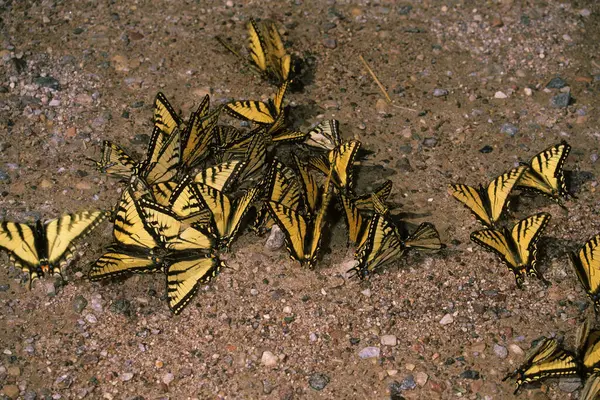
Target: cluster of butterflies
189	197
548	359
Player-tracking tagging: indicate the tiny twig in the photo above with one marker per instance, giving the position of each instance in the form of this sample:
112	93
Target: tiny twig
381	87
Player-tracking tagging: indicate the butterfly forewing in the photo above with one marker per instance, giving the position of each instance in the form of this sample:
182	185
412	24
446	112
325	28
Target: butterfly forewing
165	117
183	277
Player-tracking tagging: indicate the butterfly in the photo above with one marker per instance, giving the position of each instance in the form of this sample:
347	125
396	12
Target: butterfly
283	188
303	234
326	135
45	247
257	111
487	204
586	262
341	159
227	214
267	51
518	247
198	134
545	173
545	360
165	118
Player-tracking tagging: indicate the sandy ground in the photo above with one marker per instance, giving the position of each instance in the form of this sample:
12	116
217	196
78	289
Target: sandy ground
464	77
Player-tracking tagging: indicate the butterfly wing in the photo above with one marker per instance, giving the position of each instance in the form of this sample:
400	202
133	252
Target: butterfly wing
342	157
326	135
587	267
257	46
382	246
279	96
165	117
382	192
545	173
309	186
525	235
251	110
197	137
278	61
497	242
357	226
185	274
115	162
119	260
426	237
163	165
19	240
591	390
220	176
499	190
63	231
130	227
241	208
294	227
472	198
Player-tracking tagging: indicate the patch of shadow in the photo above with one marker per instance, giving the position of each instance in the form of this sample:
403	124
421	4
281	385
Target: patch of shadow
576	179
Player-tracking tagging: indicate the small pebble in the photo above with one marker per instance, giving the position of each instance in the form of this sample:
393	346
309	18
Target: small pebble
13	371
515	349
440	92
556	83
585	12
509	129
253	292
430	142
500	95
91	318
469	374
389	340
12	391
369	352
500	351
382	107
313	337
421	378
168	378
268	359
126	376
528	91
4	177
329	43
408	383
79	303
330	105
276	238
561	100
287	309
486	149
447	319
318	381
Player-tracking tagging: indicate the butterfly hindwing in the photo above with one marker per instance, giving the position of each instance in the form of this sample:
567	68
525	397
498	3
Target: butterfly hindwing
586	262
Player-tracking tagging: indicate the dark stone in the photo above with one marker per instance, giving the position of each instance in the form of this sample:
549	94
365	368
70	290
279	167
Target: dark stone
78	31
20	64
3	89
525	20
561	100
121	306
138	104
4	287
406	149
408	383
470	374
430	142
405	9
396	391
449	361
486	149
4	177
30	395
556	83
125	115
48	82
318	381
328	26
79	303
354	341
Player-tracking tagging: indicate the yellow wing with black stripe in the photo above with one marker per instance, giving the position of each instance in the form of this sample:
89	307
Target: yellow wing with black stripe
115	162
342	159
488	204
221	176
257	46
165	117
197	136
382	192
547	360
517	248
357	225
163	159
278	60
591	390
425	237
545	173
586	262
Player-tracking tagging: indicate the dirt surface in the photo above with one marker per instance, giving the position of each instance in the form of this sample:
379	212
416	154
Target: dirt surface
463	76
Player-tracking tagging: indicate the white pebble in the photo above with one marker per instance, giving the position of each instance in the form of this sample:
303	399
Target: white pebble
500	95
126	376
287	309
447	319
528	91
389	340
91	318
268	359
421	378
168	378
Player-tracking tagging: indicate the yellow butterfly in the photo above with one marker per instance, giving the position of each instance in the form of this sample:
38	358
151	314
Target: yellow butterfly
586	262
